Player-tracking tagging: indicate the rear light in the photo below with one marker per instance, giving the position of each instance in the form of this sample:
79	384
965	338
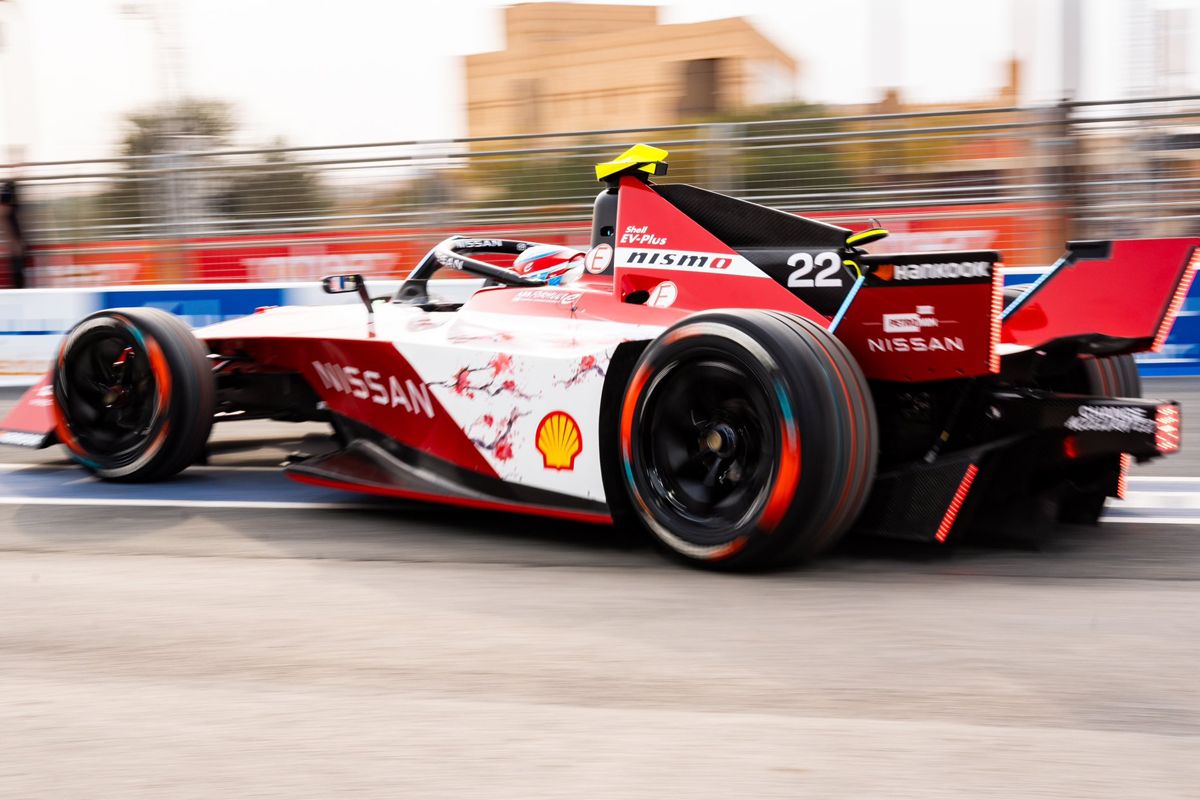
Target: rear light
960	496
1166	429
997	317
1168	321
1071	447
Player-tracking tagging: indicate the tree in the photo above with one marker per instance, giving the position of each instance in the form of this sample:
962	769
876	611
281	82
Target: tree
788	150
770	161
277	186
179	128
535	182
152	194
160	189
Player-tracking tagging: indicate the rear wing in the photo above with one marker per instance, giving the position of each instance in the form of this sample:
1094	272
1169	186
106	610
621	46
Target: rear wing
1111	296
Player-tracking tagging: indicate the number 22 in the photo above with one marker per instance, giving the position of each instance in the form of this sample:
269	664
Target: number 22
826	278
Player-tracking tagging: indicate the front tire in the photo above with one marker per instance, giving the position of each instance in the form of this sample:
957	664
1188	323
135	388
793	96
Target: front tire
134	395
748	439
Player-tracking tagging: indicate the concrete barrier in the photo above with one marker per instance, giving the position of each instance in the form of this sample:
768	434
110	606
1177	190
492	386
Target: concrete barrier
32	321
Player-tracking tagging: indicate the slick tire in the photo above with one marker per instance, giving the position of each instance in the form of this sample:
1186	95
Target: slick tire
134	395
1082	498
1111	376
747	439
1012	294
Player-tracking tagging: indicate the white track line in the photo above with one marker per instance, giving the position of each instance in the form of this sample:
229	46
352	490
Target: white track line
1158	500
273	505
18	500
1193	521
197	467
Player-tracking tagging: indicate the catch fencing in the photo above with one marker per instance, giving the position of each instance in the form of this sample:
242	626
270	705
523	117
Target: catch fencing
1021	180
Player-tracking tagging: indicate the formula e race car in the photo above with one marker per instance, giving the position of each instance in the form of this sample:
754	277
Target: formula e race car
745	384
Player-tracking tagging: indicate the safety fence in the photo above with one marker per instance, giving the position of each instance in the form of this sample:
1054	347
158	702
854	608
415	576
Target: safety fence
1021	180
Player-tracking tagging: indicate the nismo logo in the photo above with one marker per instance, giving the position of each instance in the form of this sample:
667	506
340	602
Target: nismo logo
667	258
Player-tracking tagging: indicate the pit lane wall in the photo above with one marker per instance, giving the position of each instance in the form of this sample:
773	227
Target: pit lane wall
32	321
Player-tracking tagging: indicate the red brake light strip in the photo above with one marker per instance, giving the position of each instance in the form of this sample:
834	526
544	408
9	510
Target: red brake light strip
1168	321
997	317
960	496
1166	429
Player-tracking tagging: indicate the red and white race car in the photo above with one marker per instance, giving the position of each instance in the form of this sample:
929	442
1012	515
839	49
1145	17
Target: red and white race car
745	384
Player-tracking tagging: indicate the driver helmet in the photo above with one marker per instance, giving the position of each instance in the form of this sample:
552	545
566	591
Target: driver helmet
551	263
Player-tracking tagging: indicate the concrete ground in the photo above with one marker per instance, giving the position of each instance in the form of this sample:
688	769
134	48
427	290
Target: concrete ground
401	650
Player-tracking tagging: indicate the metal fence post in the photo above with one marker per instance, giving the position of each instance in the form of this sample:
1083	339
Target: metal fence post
720	171
1064	150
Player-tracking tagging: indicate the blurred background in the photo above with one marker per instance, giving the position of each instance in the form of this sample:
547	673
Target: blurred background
180	141
208	637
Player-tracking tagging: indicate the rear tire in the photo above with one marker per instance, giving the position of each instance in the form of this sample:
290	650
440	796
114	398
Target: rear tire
1013	293
1111	376
1082	498
134	395
747	438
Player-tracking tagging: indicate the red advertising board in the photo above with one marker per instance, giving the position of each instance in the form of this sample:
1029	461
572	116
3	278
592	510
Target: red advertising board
1021	231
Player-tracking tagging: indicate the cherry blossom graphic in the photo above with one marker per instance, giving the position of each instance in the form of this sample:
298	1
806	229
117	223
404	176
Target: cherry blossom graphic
462	381
496	435
586	366
501	363
486	380
492	337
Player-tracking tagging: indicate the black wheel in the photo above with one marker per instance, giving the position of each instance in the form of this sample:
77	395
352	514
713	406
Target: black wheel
1012	294
748	439
134	394
1082	498
1110	376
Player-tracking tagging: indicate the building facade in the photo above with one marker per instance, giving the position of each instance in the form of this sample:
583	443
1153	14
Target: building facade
570	66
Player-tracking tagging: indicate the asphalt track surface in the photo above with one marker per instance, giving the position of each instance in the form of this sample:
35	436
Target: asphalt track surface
193	643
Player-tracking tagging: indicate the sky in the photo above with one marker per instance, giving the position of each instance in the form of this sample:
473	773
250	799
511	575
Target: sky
389	70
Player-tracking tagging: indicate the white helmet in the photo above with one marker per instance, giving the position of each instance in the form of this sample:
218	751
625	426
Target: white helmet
551	263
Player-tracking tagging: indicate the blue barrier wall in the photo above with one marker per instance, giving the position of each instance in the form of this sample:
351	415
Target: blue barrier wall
31	321
198	306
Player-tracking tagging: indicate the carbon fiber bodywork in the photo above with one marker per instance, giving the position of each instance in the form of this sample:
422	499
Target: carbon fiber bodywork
1036	443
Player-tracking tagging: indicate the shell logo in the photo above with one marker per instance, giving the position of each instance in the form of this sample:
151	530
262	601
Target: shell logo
558	440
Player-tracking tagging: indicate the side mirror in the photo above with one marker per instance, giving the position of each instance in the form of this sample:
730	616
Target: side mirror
341	284
344	284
